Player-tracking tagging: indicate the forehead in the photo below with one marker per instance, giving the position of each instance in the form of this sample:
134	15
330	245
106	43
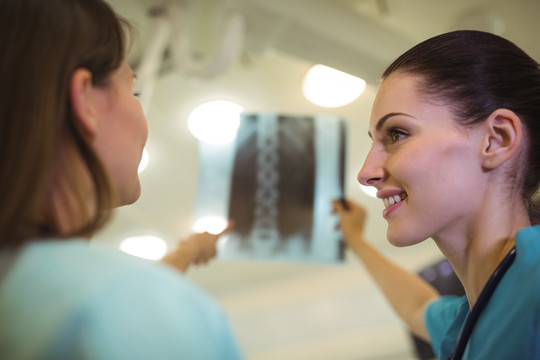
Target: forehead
396	94
401	94
396	91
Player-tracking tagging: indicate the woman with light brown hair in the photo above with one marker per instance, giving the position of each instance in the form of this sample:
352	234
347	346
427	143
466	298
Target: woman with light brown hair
71	138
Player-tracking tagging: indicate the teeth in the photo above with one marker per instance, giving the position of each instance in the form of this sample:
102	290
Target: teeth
393	199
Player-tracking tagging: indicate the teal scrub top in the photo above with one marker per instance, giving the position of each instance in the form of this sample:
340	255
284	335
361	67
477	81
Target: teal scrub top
70	300
509	326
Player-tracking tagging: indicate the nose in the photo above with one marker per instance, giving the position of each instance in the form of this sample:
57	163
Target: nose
372	172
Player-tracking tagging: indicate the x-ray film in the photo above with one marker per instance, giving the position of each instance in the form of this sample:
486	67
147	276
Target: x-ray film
276	182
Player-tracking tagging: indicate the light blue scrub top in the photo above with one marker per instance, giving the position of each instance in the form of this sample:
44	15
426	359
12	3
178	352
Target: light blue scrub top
73	300
509	326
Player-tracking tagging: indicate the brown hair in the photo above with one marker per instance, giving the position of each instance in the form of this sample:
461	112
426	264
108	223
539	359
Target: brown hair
42	44
476	73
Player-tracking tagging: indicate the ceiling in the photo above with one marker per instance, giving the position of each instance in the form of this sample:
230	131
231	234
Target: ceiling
285	310
356	36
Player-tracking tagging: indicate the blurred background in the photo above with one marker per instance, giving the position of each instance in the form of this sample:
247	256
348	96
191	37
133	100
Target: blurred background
256	55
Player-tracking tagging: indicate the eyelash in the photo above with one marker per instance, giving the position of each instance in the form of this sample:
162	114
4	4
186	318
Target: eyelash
395	134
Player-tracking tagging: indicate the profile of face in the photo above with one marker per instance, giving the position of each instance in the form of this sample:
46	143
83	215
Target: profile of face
121	133
425	166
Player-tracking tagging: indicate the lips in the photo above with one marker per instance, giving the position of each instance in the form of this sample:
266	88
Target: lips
392	200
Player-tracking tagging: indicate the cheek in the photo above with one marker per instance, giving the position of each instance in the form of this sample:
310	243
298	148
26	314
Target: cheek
441	162
440	179
436	175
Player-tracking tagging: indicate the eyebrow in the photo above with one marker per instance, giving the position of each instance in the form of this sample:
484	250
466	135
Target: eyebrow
382	120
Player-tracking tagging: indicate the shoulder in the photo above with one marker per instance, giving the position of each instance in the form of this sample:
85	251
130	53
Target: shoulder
449	305
444	319
510	323
107	302
527	262
518	290
77	272
88	269
529	238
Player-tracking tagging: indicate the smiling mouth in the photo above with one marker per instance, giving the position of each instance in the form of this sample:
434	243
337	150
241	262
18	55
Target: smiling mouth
389	201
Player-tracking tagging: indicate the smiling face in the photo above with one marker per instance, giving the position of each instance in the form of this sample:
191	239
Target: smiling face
121	134
424	165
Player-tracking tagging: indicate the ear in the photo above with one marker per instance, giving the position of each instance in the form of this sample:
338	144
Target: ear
502	139
83	101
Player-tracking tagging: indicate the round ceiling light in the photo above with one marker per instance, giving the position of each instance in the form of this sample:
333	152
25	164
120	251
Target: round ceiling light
215	122
330	88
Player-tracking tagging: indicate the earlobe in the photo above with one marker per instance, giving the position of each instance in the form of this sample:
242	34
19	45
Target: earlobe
82	101
503	138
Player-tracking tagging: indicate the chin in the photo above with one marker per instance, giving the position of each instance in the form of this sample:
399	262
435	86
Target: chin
130	197
402	240
397	243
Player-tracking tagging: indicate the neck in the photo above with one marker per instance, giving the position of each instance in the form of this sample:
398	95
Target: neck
71	193
476	251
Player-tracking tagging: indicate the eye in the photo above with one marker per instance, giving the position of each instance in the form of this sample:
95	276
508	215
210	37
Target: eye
395	134
137	94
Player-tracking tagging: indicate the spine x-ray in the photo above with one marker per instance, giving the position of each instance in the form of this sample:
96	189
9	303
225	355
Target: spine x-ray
276	182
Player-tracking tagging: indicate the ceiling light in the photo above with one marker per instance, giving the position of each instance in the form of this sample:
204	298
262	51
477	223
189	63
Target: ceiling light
215	122
328	87
145	246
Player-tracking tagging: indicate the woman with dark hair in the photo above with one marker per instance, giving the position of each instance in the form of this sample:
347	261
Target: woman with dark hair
454	158
71	138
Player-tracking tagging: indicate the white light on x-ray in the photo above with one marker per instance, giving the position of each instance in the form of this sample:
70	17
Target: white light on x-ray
144	161
328	87
145	246
211	224
215	122
369	190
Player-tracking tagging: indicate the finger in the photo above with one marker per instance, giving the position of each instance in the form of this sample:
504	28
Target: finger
344	204
338	206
